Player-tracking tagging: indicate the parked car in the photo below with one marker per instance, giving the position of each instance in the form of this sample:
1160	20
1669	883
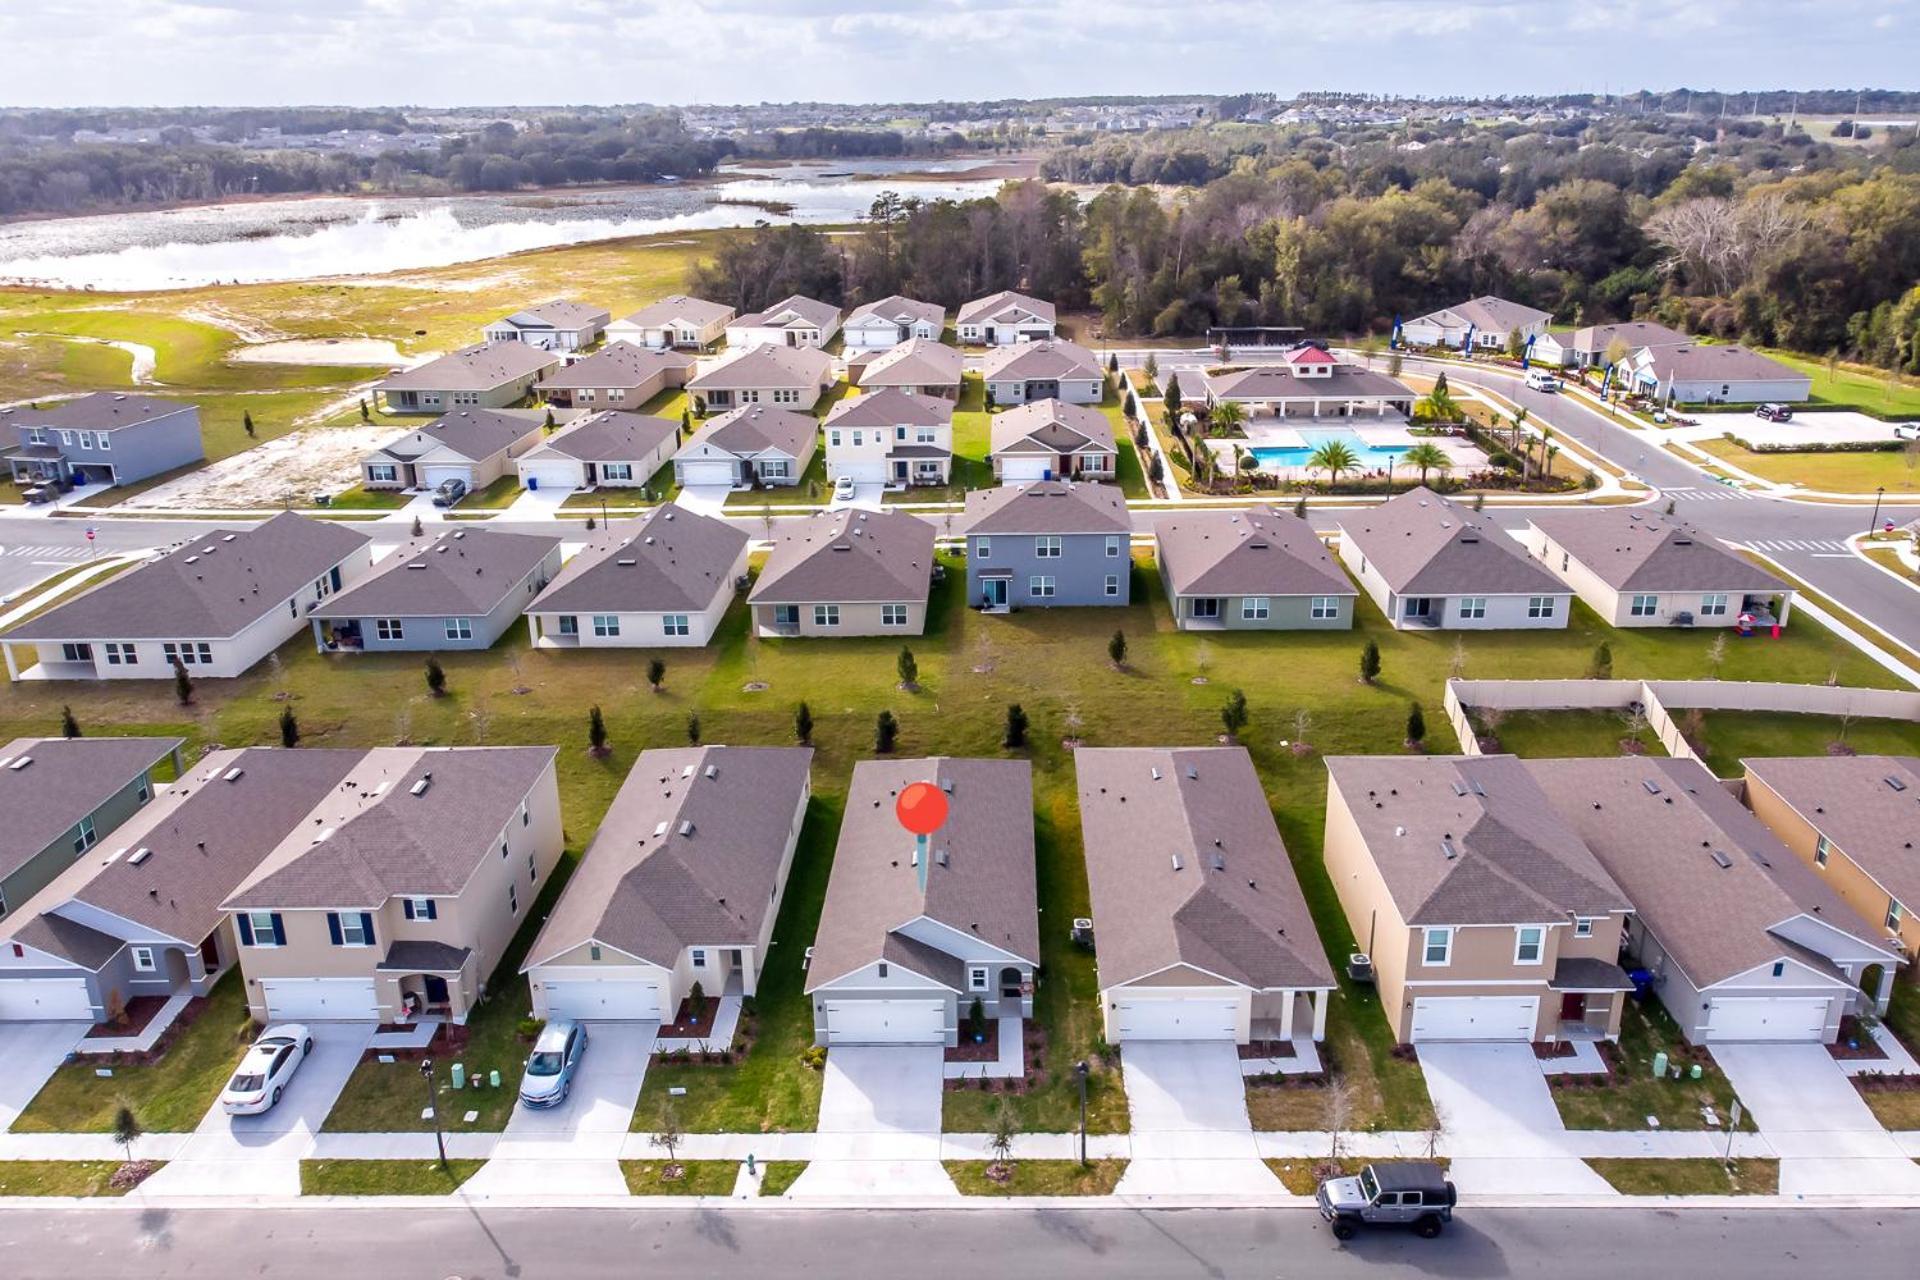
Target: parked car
1774	413
263	1074
553	1063
1541	380
1906	431
843	489
448	492
1398	1193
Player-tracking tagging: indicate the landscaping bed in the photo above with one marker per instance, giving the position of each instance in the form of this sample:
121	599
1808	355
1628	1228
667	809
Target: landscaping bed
1690	1177
384	1177
134	1019
680	1178
984	1049
73	1177
1035	1177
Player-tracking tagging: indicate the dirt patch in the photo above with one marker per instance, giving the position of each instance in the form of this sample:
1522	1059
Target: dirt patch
365	352
296	465
246	328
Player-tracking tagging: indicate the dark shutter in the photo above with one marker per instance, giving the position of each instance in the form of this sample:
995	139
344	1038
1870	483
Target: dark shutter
245	922
333	926
433	909
366	928
279	930
406	907
335	575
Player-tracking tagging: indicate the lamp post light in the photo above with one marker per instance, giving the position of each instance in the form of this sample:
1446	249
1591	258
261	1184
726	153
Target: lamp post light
1873	521
1080	1073
433	1109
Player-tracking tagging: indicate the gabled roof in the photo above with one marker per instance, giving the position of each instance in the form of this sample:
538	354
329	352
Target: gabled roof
1186	867
480	367
611	435
891	407
1005	307
62	781
1047	506
1047	358
1051	426
561	313
211	587
794	311
671	560
1728	362
380	835
755	428
678	308
1596	338
1465	840
619	364
1868	806
1638	551
473	434
916	362
688	855
1488	314
1705	876
97	411
466	572
766	366
1278	382
848	556
1257	552
980	874
1422	543
897	310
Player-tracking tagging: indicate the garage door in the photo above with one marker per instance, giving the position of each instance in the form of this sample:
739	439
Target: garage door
1475	1017
865	471
886	1022
431	477
604	999
1183	1018
1768	1018
551	475
706	471
1015	470
319	999
44	1000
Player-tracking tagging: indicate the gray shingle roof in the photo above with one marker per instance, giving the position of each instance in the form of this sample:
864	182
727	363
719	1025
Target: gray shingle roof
473	434
1257	552
1596	338
1048	358
680	560
894	309
1422	543
420	955
67	779
811	312
480	367
464	572
1638	551
848	556
918	362
757	428
682	858
1242	918
1730	362
1005	303
619	364
1274	382
891	407
98	411
212	587
985	889
1047	506
610	435
1051	426
678	307
561	313
1849	801
1493	315
767	366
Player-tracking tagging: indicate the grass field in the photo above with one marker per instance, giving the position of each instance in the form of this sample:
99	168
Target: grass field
694	1178
1854	386
776	1176
1898	472
1038	1177
59	1177
384	1177
1626	1098
1707	1177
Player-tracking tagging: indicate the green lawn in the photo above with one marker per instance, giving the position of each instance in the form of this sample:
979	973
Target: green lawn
171	1095
60	1177
384	1177
1558	734
776	1176
1693	1177
500	493
1298	1176
1896	471
1733	735
1632	1093
812	490
697	1178
1853	386
362	499
1038	1177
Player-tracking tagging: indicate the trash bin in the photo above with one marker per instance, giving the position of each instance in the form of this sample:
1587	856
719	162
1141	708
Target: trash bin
1659	1064
459	1075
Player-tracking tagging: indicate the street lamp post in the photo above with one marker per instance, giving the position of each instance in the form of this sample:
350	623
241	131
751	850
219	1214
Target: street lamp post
439	1135
1873	521
1080	1072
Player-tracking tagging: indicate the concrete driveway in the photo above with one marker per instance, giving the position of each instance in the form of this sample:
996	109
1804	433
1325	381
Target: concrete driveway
1807	1109
707	499
866	495
1190	1132
537	504
29	1054
1500	1122
879	1127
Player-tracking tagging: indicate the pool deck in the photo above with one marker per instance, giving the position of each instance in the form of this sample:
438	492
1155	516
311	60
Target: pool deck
1306	433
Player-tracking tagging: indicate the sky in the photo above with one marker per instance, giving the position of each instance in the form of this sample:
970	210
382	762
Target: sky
442	53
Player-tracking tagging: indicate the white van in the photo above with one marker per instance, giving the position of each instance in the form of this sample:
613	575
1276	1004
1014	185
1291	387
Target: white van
1541	380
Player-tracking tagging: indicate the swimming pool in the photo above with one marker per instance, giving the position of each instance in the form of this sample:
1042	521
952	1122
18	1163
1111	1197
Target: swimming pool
1371	456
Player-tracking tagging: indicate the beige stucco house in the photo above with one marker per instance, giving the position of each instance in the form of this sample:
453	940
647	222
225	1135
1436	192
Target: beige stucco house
846	573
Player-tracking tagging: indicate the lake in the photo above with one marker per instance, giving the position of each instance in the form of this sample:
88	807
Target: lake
299	239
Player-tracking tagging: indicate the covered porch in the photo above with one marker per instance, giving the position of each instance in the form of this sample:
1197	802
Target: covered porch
1284	1033
1590	993
425	980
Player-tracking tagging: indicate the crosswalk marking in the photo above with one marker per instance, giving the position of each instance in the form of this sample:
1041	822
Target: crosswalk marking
48	553
1817	545
1719	493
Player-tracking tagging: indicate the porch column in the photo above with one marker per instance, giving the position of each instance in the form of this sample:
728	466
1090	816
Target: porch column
319	636
1286	1015
1884	996
13	671
1319	1015
1786	607
533	631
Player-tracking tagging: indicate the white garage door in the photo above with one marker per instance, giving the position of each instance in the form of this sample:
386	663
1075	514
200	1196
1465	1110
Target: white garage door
706	471
604	999
1768	1018
319	999
1475	1017
554	474
44	1000
431	477
1018	469
1181	1018
886	1022
872	471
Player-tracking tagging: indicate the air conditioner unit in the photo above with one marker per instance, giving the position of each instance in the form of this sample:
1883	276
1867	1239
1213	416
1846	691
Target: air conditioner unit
1082	931
806	960
1360	967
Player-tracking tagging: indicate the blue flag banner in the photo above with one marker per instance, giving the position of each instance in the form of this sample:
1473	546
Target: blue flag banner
1606	381
1466	343
1393	343
1526	354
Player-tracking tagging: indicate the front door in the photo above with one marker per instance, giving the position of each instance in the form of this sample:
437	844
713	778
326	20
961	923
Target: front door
1573	1007
1417	607
436	987
210	953
1206	607
995	591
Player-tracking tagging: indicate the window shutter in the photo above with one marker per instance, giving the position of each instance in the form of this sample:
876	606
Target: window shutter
433	909
246	928
366	927
406	907
279	930
333	926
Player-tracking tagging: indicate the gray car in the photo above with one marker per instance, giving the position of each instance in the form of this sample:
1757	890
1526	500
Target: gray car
553	1063
449	491
1407	1193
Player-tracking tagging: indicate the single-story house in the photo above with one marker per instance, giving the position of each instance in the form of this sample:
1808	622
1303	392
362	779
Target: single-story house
1200	929
1587	348
476	446
1004	318
781	377
680	887
552	326
756	442
621	375
61	797
1486	917
692	324
397	896
458	590
1745	941
1486	321
910	939
1428	561
663	580
891	437
1311	384
1051	439
214	605
1048	369
1260	569
1638	569
890	321
1850	818
102	438
922	366
608	449
1693	373
794	321
1047	543
488	375
846	573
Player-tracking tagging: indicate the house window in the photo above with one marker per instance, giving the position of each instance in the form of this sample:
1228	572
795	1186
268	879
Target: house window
983	548
1254	609
606	624
383	473
593	951
146	791
143	960
1040	587
1529	944
459	628
1779	968
586	395
261	929
1893	916
84	836
1713	606
1582	927
322	588
926	435
525	816
1438	949
1113	584
504	850
976	979
893	615
533	870
1047	546
1324	607
1113	547
1821	849
119	653
356	929
1539	606
513	900
616	471
419	908
883	968
1206	607
698	958
833	439
77	652
826	615
389	629
1564	559
1643	606
569	624
1473	607
676	624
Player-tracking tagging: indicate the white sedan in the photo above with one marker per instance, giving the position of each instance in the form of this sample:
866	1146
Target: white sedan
265	1071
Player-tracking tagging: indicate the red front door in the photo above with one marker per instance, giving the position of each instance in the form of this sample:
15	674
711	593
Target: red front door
1573	1007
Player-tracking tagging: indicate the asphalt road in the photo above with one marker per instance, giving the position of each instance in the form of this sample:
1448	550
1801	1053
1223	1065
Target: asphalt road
1115	1244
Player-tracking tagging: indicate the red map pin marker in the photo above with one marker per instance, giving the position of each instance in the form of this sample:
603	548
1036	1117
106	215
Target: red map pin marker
921	808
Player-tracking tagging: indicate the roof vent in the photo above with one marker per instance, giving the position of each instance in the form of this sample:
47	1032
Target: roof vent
421	564
233	775
1177	864
1192	772
660	828
20	764
1890	780
946	785
1446	847
940	857
139	856
628	561
459	534
193	559
1219	863
686	827
420	788
1721	860
711	771
1156	773
648	540
686	771
1653	788
1459	787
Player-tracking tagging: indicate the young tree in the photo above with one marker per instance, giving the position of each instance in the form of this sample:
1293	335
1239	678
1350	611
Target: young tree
366	414
1516	342
1016	735
1172	398
908	668
1333	457
977	1020
1233	716
182	684
1152	366
1479	502
1006	1127
549	423
246	422
696	1000
436	677
1393	364
1300	506
656	673
1457	662
69	727
1716	655
591	522
1226	417
1154	470
289	727
667	1134
803	725
1427	457
693	728
1369	663
885	730
126	1130
1117	648
1601	668
1616	352
1440	391
1416	725
596	731
1113	363
418	528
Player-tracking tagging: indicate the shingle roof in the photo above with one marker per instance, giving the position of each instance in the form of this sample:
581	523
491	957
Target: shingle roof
65	780
689	854
1276	382
213	586
1047	506
765	366
1050	426
1730	362
98	411
811	312
891	407
1494	315
1186	866
608	436
465	572
669	561
1422	543
675	308
388	842
480	367
1048	358
619	364
1713	920
848	556
757	428
918	362
1005	303
895	309
1638	551
1463	840
473	434
984	888
1257	552
561	313
1596	338
1848	800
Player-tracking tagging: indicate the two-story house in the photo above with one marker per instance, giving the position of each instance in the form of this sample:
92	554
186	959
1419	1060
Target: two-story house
1049	543
891	437
794	321
102	438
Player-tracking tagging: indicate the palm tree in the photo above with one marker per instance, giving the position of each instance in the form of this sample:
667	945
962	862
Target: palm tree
1428	457
1225	418
1333	457
1547	449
